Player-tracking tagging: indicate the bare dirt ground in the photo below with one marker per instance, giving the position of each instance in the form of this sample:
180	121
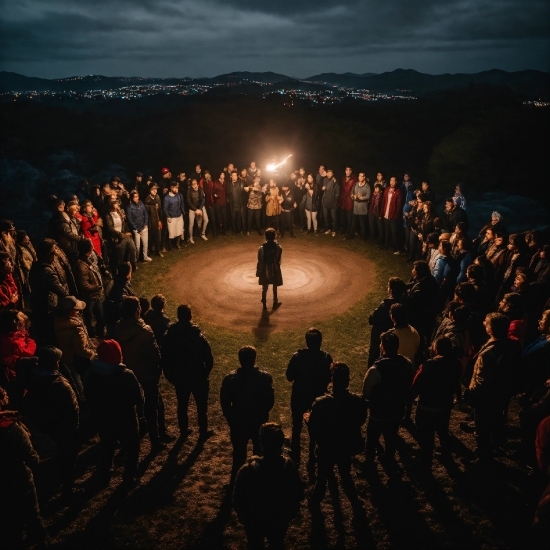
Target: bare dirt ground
224	290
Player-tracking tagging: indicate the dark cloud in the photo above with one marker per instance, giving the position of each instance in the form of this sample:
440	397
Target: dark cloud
57	38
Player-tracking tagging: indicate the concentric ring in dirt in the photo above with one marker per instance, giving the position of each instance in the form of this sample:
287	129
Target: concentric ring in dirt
318	282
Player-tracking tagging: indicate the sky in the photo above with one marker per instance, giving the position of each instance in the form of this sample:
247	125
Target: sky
298	38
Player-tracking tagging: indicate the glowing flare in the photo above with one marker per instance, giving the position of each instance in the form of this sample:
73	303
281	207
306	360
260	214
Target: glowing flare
272	166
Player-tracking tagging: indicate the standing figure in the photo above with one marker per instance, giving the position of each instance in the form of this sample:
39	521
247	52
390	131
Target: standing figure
246	397
331	195
386	386
153	204
187	361
115	397
142	356
268	269
309	370
138	220
335	422
174	210
268	491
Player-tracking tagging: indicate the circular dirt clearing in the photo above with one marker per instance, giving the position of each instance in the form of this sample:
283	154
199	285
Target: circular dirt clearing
318	282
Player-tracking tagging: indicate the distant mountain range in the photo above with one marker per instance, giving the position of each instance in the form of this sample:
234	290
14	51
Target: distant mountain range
528	81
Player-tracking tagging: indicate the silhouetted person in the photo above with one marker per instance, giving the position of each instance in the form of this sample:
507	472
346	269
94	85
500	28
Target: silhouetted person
268	269
309	370
142	357
335	423
187	361
50	406
436	383
114	397
18	459
268	491
246	398
386	388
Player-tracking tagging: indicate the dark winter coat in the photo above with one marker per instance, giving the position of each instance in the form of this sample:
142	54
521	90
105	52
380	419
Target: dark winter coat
436	382
113	395
268	268
246	397
48	286
387	386
139	350
186	354
335	423
267	491
88	279
309	370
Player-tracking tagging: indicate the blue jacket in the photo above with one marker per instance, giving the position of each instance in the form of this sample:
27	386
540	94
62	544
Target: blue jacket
173	206
442	269
464	262
137	217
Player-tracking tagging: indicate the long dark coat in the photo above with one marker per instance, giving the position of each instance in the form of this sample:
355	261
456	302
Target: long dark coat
268	269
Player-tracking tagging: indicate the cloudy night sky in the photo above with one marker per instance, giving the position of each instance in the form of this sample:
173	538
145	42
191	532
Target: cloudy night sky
300	38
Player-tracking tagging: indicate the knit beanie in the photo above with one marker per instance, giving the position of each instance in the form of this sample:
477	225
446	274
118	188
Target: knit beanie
109	352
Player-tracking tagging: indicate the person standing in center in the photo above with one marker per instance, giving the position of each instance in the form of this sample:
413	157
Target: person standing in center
268	269
187	361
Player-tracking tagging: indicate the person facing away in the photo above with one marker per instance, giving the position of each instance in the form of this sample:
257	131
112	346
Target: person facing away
386	388
115	399
309	371
268	491
246	397
268	268
335	423
187	361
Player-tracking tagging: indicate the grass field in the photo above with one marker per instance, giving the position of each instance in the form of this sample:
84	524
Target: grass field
182	501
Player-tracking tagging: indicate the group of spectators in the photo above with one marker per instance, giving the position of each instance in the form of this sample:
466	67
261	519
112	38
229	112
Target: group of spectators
471	327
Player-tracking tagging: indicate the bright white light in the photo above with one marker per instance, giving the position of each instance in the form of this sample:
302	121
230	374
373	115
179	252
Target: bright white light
272	166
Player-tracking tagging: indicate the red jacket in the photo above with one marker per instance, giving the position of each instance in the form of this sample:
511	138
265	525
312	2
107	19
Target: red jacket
8	289
396	204
13	346
89	230
219	189
346	187
208	188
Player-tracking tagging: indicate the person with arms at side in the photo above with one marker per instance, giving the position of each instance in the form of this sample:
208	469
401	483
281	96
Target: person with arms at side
115	397
386	388
187	362
309	372
138	220
331	195
392	215
360	196
246	397
346	205
268	268
142	356
436	383
268	491
335	423
18	461
50	406
153	204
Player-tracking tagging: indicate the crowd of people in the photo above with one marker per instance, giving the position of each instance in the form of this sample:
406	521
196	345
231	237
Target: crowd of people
80	353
